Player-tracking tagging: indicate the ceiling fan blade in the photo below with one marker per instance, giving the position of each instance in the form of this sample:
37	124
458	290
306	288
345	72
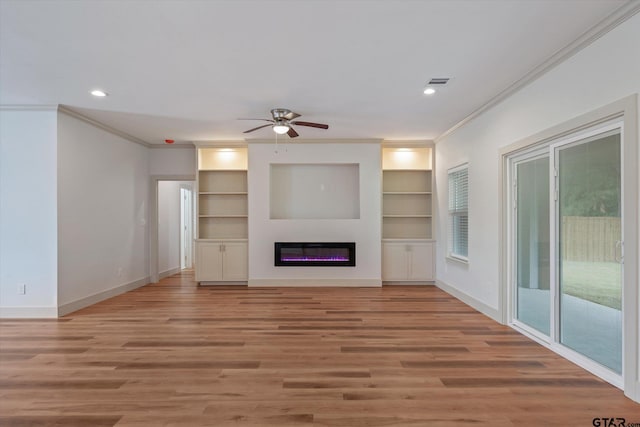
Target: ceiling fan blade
259	127
264	120
312	125
291	115
292	133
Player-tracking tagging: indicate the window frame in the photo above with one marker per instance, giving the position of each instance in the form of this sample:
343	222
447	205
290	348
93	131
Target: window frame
456	213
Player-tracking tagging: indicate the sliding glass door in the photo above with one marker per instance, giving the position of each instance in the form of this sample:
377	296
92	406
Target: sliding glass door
589	245
567	247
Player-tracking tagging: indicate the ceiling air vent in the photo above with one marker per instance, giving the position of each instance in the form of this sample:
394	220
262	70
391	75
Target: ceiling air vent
439	81
435	84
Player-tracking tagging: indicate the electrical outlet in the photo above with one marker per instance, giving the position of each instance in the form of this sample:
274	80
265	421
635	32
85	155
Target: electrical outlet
119	271
22	289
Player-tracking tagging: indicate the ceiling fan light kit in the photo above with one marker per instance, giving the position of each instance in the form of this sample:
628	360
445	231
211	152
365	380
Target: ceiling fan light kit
281	128
282	121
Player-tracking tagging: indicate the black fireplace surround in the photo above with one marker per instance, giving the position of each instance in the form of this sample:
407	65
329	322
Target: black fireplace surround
315	254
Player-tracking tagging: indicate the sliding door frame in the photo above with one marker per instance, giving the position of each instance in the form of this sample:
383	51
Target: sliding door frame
537	152
625	111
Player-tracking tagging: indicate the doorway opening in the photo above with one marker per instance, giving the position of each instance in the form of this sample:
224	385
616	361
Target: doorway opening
171	228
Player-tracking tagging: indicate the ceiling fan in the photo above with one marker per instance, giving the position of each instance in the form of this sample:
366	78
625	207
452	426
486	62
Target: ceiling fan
282	121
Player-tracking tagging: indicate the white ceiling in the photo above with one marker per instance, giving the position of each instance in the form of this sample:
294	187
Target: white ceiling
186	70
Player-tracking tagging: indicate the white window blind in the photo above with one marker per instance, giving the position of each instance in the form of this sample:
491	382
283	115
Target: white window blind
459	212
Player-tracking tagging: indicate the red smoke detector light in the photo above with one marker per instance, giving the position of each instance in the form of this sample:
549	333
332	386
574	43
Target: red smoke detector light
169	141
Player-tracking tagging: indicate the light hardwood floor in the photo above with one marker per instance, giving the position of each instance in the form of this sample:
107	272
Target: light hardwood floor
175	354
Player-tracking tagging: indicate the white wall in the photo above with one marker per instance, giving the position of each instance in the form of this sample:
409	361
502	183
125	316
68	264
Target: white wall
28	213
168	226
604	72
172	161
366	231
102	213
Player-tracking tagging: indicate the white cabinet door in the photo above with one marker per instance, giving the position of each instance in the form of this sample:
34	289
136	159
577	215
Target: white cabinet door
421	262
407	261
234	261
394	261
208	261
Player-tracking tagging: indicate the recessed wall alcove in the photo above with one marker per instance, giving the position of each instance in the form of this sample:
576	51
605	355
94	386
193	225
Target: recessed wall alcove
314	191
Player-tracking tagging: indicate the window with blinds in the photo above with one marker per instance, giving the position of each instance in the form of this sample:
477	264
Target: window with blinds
459	212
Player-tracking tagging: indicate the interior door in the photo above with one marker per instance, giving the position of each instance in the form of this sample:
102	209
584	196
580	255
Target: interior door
186	228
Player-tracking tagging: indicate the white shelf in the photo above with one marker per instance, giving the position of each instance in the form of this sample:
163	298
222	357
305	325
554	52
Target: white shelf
223	193
426	193
406	240
406	181
406	227
223	227
222	240
407	216
406	170
223	216
222	181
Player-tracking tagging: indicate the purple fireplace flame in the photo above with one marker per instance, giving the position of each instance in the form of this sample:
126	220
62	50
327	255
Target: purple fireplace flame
341	254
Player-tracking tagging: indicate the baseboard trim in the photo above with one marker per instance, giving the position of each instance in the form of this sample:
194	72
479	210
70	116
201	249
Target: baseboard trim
300	283
227	283
81	303
634	393
168	273
28	312
407	283
470	301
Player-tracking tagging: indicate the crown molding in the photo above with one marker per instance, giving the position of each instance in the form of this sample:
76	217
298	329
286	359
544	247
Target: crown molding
27	107
407	143
616	18
68	111
176	145
298	141
220	143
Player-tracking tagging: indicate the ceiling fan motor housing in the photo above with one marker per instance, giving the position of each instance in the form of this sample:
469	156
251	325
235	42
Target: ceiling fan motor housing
281	114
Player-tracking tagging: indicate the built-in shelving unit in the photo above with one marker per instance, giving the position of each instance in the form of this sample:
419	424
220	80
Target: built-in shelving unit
406	193
221	247
222	194
407	212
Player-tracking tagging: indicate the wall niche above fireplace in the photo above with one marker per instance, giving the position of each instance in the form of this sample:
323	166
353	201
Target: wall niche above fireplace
314	191
315	254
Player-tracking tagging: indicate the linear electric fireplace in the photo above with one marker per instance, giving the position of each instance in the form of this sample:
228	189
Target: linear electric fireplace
316	254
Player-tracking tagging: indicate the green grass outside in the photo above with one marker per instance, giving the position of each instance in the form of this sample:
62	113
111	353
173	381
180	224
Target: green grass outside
598	282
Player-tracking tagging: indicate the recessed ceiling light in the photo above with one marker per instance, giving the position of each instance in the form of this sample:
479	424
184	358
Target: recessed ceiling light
429	90
99	93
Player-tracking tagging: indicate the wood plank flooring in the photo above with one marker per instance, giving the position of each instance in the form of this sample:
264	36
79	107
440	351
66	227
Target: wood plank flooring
175	354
